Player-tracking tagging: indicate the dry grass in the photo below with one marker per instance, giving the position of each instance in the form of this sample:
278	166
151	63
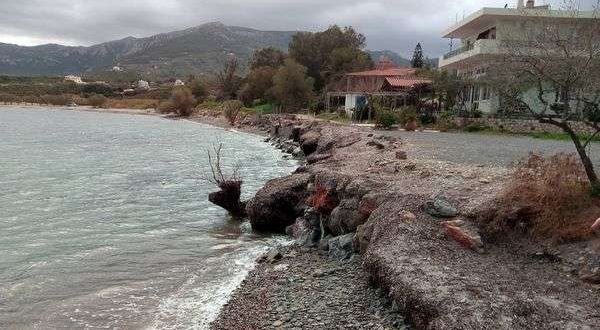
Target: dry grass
547	198
141	104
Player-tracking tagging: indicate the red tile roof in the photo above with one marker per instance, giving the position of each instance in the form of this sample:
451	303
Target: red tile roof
386	72
406	82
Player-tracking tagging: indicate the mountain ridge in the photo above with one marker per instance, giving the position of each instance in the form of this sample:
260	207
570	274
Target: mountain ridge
196	50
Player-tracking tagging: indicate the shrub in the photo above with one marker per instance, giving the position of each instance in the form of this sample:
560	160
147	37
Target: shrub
97	100
56	99
166	107
198	88
546	198
386	119
231	110
182	101
445	122
407	114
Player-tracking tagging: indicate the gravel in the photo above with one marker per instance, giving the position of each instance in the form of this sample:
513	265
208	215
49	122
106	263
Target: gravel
306	290
473	148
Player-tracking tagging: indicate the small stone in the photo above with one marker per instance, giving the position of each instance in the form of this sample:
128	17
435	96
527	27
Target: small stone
277	323
440	207
401	155
376	144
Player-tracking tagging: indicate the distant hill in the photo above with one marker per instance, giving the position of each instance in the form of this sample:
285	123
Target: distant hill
196	50
395	57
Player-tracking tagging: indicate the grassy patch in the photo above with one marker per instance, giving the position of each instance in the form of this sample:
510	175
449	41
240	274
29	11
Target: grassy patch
560	136
264	109
333	116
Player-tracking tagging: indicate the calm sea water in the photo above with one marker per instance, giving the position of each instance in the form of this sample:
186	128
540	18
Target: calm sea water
104	220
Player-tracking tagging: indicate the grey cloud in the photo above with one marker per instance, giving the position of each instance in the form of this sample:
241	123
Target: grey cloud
388	24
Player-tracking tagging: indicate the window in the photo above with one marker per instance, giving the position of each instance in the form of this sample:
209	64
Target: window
475	93
485	93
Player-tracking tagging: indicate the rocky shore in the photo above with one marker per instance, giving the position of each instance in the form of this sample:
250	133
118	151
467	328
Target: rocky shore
412	224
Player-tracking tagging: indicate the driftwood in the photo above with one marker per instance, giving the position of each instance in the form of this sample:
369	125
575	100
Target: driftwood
231	187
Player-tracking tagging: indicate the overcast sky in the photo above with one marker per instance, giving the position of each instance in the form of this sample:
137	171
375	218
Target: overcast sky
388	24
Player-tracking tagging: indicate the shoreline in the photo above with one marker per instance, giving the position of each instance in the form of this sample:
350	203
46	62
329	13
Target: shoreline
406	252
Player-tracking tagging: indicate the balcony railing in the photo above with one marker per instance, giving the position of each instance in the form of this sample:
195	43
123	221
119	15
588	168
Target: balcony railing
459	51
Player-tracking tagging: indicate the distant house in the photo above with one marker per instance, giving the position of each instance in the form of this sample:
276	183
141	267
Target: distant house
179	83
143	85
117	69
75	79
398	85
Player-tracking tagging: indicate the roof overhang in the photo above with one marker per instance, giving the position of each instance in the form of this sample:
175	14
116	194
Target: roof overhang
486	17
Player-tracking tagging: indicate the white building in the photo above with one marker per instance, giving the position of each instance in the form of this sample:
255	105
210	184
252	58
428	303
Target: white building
75	79
143	85
480	37
117	69
179	83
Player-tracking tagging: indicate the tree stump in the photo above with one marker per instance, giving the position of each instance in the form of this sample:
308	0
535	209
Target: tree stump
229	198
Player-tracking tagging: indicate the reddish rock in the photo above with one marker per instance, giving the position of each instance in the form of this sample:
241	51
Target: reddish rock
464	234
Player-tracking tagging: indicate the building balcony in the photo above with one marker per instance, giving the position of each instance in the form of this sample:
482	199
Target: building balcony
479	47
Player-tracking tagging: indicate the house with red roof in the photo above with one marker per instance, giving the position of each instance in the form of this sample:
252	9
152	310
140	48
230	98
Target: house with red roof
400	86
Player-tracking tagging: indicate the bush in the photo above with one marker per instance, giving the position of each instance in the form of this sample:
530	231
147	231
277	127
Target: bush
386	119
545	197
407	114
97	100
182	101
445	122
166	107
231	110
60	100
8	98
198	88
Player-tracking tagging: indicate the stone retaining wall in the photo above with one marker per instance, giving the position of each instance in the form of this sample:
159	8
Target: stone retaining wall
520	126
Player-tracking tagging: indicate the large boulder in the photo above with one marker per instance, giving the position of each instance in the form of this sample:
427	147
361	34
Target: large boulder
275	206
309	142
346	217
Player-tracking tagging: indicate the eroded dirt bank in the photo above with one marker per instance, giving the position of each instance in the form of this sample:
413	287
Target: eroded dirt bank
411	222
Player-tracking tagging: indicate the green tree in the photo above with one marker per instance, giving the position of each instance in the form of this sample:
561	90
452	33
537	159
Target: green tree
292	89
267	57
330	53
417	59
198	88
258	85
182	101
228	82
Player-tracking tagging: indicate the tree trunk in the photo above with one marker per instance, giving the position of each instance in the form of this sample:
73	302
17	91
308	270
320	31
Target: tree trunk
585	159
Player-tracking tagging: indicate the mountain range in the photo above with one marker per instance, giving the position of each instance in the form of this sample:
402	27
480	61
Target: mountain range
197	50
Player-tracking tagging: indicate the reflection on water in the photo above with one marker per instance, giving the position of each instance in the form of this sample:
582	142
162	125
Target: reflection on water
105	221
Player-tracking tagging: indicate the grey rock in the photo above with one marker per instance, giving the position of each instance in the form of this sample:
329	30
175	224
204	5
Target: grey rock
340	247
440	207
